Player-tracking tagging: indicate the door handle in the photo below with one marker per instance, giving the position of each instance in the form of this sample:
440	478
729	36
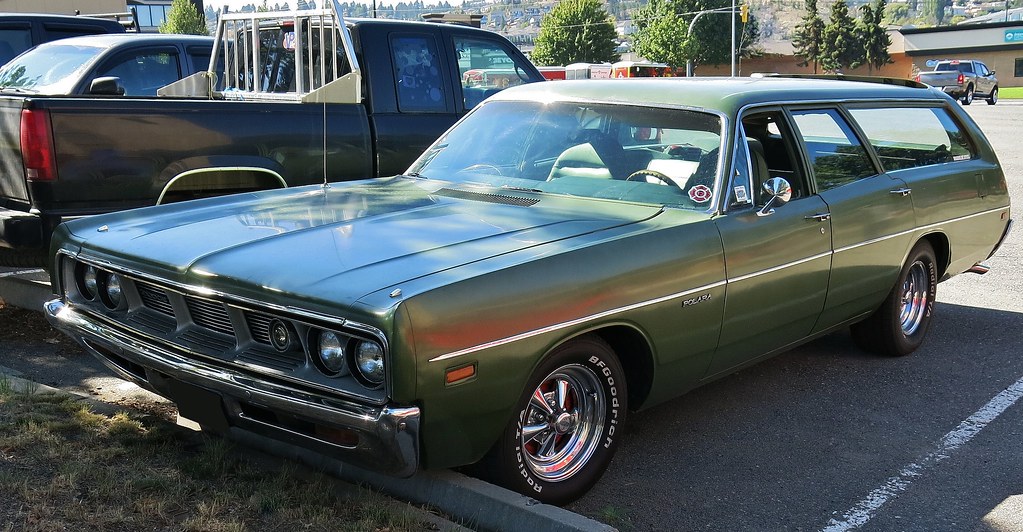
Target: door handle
820	217
901	191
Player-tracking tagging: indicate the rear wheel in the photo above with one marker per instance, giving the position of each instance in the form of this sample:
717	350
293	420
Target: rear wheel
899	326
567	424
993	97
968	97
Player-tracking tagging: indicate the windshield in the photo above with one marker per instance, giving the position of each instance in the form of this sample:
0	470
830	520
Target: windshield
638	154
48	68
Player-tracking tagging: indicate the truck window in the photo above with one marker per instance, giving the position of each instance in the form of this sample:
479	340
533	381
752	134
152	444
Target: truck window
143	72
417	73
485	68
835	154
910	137
13	41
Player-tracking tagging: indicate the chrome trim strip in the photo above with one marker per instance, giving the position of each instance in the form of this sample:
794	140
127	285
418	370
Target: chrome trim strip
780	267
921	228
571	323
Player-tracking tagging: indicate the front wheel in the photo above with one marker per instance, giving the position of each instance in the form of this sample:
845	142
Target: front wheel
898	327
567	424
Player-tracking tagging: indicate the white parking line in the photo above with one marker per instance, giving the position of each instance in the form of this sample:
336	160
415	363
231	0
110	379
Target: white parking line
858	515
21	272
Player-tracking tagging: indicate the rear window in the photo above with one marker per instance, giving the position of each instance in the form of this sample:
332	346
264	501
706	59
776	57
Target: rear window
48	69
910	137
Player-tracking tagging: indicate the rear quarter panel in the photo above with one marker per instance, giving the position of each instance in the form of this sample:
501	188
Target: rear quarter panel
13	190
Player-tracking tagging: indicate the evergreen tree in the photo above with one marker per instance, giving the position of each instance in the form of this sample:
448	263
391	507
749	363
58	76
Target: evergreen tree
808	36
662	32
576	31
184	18
874	36
841	47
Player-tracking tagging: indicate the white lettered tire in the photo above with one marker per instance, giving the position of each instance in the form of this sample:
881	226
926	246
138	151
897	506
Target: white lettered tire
567	426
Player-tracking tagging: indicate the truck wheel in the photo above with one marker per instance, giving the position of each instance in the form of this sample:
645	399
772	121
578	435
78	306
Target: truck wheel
22	258
993	97
968	97
898	327
567	424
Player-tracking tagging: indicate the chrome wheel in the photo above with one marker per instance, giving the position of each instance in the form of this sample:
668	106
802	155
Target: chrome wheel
915	296
562	424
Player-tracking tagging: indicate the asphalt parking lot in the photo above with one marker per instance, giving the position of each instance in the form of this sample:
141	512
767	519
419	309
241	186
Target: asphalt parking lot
825	437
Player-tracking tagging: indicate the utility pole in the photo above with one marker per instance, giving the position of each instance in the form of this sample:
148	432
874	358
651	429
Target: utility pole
732	16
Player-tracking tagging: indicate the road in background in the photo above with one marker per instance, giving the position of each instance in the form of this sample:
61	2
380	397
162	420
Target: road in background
814	434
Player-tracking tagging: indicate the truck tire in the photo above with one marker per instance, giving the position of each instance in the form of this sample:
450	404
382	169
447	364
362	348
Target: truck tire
968	96
22	258
993	97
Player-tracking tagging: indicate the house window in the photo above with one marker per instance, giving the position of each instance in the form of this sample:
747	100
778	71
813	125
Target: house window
1019	68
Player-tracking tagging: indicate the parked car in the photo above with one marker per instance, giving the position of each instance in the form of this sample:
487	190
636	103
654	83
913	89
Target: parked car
383	91
963	80
21	31
132	64
567	253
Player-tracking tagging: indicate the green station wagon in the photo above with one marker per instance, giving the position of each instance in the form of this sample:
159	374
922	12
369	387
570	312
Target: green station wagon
567	253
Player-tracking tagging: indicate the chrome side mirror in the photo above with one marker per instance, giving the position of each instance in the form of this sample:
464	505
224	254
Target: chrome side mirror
780	192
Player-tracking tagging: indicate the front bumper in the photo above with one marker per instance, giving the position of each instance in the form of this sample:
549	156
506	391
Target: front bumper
383	439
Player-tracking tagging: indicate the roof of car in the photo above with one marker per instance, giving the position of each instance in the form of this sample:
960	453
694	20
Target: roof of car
112	39
719	93
48	17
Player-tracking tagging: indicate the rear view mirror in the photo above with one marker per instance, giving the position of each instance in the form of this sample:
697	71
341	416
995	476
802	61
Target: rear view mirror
779	191
107	86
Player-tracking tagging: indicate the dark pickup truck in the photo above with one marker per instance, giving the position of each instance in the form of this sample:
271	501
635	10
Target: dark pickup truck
280	113
21	31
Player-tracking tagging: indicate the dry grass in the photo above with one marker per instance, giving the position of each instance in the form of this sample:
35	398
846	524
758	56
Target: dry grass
64	467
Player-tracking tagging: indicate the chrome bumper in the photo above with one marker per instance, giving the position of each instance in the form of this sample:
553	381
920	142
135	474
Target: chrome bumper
387	438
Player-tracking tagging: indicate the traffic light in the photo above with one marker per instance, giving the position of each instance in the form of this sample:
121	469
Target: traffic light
744	13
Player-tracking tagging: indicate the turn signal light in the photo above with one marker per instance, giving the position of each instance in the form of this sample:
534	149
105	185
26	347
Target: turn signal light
460	374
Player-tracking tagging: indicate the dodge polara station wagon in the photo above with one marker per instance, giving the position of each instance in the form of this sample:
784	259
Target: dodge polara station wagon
565	254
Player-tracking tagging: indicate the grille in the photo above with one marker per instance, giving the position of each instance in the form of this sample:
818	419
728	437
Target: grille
155	299
259	326
204	341
489	198
210	315
153	321
280	361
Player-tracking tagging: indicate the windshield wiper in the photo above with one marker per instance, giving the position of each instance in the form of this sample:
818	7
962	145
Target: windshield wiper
19	90
416	175
521	189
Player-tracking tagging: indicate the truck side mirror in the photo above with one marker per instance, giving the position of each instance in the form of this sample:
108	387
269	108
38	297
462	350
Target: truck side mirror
107	86
991	72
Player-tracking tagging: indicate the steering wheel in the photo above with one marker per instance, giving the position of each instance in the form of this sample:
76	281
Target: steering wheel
482	166
665	180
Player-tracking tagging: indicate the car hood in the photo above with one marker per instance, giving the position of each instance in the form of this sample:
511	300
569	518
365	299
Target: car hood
341	242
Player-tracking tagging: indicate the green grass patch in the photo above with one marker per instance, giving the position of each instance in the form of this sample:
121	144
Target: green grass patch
1011	93
64	467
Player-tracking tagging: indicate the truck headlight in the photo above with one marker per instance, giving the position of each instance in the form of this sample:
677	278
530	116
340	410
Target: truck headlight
331	352
369	360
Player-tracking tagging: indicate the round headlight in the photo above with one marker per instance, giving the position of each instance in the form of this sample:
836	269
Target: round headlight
369	359
111	293
332	352
90	285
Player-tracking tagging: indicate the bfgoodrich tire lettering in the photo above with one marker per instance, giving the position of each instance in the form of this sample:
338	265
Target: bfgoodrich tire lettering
567	424
899	326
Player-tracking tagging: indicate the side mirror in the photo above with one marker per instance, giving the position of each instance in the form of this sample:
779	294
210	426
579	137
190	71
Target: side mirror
991	72
780	192
107	86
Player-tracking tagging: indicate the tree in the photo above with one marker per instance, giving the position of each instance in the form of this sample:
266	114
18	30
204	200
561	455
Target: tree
184	18
935	9
808	37
841	47
576	31
874	37
662	32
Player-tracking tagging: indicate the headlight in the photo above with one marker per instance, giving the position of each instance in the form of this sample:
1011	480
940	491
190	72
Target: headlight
89	286
331	351
369	360
109	285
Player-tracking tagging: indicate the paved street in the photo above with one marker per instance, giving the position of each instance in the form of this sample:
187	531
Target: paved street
829	435
826	436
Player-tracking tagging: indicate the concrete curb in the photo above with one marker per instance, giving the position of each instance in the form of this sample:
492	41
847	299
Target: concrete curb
27	288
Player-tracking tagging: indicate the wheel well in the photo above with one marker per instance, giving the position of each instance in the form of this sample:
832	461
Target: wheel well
636	358
207	182
942	251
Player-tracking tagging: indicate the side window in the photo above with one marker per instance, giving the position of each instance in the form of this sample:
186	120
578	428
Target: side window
909	137
417	73
485	68
771	147
143	72
835	154
13	41
200	56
